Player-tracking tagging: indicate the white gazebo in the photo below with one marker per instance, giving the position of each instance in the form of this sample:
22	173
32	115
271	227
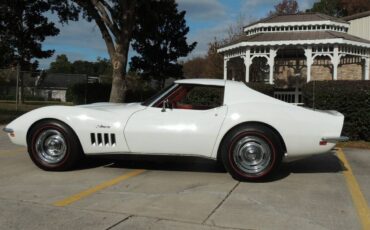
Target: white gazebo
310	39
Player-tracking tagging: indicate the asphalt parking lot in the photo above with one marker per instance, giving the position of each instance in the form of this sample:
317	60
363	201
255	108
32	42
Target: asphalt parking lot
328	191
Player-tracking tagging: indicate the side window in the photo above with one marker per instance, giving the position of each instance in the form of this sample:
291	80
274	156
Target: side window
195	97
202	98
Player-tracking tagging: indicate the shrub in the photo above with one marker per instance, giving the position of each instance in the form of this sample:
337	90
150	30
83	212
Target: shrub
261	87
100	92
84	93
352	98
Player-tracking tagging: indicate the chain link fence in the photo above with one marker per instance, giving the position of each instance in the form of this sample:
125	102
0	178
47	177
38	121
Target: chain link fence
40	85
22	91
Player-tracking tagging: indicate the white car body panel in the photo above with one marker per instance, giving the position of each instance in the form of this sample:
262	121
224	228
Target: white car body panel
176	131
142	129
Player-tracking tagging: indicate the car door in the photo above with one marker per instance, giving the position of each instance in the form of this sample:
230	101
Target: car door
190	127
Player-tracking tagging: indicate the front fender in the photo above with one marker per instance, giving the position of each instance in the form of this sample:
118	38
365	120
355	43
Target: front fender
83	121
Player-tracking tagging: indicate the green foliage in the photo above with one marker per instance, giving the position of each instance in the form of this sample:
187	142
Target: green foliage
352	98
61	64
329	7
84	93
160	39
262	88
99	92
24	26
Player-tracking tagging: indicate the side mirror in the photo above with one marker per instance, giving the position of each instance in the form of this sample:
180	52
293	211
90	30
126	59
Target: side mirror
165	105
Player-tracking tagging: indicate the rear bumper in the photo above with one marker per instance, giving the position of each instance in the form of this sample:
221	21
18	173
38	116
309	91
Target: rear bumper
335	139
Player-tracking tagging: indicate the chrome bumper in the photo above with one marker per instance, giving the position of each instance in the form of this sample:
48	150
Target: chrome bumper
335	139
8	130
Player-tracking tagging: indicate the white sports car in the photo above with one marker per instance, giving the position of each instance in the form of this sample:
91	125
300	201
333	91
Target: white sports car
249	132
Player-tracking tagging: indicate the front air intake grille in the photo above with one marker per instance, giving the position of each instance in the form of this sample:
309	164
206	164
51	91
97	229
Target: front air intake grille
103	139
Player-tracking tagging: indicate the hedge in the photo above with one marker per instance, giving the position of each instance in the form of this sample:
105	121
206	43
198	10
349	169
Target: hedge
352	98
100	92
261	87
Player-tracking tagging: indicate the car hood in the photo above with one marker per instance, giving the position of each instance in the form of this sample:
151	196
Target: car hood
114	107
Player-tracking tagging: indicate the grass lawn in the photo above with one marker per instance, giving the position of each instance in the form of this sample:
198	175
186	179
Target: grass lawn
8	110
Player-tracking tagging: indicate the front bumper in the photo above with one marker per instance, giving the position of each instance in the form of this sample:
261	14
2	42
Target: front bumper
8	130
335	139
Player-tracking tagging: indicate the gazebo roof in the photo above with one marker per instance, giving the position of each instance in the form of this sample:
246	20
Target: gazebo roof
296	36
302	17
296	29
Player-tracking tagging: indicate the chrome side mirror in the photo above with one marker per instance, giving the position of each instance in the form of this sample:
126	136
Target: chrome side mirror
165	105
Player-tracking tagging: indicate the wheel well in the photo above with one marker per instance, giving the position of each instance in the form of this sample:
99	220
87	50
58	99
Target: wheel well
252	123
51	120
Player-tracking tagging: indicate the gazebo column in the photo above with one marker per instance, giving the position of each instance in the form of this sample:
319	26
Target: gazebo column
335	60
247	63
225	67
367	68
271	62
309	61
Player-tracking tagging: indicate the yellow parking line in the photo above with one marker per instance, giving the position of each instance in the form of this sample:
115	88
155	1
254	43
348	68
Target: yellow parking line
90	191
357	196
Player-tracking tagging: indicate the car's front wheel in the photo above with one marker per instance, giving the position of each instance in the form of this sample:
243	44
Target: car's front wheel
251	152
53	146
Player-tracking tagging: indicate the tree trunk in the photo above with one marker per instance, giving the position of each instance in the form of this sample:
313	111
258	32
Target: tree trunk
21	89
119	63
118	91
119	60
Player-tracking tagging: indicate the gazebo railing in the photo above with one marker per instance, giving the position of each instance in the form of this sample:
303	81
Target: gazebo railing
293	97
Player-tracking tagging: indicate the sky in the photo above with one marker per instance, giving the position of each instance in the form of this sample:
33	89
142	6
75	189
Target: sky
207	20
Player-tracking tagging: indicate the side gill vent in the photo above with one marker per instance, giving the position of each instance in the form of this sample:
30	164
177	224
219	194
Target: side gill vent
103	139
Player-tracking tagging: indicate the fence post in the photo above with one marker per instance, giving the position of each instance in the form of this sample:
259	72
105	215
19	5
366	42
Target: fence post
17	88
296	95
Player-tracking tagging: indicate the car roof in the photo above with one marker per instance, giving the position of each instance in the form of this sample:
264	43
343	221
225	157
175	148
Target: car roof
215	82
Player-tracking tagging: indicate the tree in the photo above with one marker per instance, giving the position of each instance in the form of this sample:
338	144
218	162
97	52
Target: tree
340	8
116	20
285	7
355	6
61	65
235	29
209	66
23	28
329	7
160	41
215	61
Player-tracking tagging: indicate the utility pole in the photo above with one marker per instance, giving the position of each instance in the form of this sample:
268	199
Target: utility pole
17	87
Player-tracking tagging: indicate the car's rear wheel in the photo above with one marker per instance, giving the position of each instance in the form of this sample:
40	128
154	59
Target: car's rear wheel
251	152
53	146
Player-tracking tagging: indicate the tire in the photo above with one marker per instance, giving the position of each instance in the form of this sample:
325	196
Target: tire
53	146
251	152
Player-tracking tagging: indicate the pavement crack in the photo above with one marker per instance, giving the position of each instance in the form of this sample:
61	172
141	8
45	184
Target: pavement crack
223	200
119	222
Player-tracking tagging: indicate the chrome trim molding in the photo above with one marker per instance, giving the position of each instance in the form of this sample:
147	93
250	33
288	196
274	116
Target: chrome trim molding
335	139
8	130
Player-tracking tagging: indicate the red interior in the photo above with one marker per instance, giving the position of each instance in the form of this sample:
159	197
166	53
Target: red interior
176	96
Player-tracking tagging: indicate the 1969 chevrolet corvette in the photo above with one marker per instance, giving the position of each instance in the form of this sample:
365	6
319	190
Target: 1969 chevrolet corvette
249	132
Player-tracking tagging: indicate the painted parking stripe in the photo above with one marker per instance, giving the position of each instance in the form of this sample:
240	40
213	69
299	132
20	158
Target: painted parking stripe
90	191
358	198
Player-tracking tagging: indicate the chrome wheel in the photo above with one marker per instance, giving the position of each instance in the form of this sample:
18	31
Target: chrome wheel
51	146
252	154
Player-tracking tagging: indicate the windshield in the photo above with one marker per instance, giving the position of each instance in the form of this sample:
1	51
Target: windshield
153	98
